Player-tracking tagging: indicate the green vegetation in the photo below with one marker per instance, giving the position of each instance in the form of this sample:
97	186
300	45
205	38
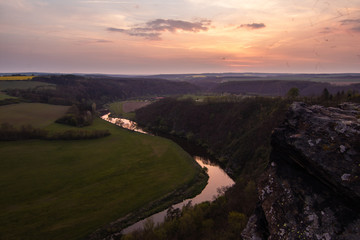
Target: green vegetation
4	96
79	115
10	133
15	78
237	131
125	109
293	93
337	78
234	129
71	89
67	189
197	97
222	219
23	85
35	114
6	99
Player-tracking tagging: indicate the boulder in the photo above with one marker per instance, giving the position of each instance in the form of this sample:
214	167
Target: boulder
311	188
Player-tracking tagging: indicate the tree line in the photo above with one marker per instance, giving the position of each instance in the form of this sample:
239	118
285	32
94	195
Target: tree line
9	132
236	131
72	89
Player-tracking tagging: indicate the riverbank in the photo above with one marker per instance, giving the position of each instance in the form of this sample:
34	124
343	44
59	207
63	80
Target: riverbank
186	191
218	181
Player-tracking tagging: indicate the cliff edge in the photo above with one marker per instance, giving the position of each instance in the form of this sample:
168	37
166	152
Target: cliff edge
311	189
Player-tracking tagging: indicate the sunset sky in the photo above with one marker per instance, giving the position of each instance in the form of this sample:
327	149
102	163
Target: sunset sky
179	36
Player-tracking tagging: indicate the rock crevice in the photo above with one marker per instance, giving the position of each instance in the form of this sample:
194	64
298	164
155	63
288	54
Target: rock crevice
311	189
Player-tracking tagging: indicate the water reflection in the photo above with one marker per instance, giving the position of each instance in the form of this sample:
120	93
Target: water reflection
124	123
218	179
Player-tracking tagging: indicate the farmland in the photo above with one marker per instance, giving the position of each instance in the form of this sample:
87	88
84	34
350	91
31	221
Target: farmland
125	109
67	189
35	114
15	78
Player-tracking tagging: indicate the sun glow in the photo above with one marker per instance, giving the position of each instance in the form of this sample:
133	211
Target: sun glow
124	37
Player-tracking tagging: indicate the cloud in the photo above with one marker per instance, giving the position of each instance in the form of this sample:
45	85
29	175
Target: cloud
350	21
253	26
355	23
103	41
356	29
138	32
152	30
326	30
173	25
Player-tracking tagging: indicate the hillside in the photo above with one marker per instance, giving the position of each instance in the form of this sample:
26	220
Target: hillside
280	87
234	130
67	189
74	89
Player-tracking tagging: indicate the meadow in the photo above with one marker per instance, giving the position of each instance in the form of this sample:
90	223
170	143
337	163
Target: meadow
125	109
68	189
5	96
35	114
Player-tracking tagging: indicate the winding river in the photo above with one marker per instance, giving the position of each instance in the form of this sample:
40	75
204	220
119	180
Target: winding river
218	179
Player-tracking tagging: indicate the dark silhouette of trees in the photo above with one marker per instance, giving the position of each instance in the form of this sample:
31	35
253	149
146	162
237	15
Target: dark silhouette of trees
224	218
10	133
236	131
79	115
293	93
71	89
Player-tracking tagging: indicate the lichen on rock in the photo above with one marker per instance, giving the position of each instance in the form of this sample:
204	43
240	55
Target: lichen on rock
311	189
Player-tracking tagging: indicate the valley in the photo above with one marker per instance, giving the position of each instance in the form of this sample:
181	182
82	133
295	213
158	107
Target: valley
67	174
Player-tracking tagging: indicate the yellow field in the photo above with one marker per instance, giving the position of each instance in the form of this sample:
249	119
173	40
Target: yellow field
18	78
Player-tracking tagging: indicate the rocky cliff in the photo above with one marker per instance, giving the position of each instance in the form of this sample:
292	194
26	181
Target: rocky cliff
311	189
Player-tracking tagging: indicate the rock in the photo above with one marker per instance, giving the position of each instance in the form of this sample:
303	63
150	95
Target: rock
311	189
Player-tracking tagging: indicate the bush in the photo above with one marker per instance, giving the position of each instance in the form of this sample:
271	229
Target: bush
9	132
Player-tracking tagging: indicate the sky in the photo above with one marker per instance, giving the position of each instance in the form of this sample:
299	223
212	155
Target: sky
180	36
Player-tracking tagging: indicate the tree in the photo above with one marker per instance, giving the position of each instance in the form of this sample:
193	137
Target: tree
325	94
293	93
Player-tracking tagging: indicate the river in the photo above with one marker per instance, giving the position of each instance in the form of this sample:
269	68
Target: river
218	179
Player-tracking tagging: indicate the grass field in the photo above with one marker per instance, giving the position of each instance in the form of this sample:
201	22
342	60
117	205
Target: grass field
36	114
5	96
16	78
126	109
68	189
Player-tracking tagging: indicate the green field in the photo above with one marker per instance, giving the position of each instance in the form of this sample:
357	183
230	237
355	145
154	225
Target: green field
15	78
68	189
36	114
23	84
5	96
126	109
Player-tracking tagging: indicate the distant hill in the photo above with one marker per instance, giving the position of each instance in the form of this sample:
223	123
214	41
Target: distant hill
269	84
280	88
116	86
71	89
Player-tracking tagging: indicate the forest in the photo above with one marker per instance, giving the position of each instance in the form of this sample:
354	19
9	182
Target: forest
72	89
237	132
